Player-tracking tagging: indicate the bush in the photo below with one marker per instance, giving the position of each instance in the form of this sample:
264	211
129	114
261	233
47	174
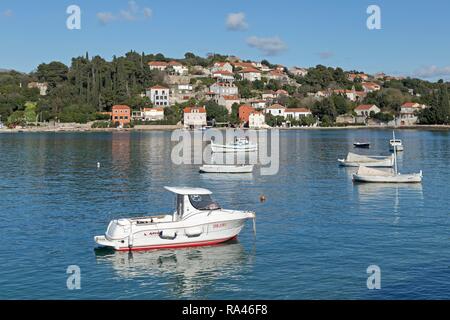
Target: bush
101	124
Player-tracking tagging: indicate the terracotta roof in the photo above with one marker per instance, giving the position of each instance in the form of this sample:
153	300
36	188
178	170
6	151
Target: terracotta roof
231	97
174	63
250	70
276	106
190	109
282	92
304	110
409	105
158	63
364	107
223	72
121	107
153	109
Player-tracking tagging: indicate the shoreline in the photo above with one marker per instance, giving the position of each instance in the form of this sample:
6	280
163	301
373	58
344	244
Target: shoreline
174	127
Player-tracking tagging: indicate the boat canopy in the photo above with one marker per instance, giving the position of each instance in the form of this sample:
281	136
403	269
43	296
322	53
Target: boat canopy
188	191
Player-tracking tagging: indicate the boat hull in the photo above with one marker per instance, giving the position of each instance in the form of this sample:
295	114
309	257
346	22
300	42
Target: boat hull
388	163
401	178
223	148
226	169
173	235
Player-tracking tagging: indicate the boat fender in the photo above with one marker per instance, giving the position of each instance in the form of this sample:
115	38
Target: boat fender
168	235
193	232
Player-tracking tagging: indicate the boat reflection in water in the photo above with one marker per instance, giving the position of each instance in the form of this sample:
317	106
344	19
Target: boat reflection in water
372	196
186	271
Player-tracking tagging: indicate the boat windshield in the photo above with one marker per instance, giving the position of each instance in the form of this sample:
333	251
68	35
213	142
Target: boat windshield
203	202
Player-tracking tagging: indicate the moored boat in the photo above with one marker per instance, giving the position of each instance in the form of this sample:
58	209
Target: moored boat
365	174
356	160
239	145
197	221
364	145
395	144
223	168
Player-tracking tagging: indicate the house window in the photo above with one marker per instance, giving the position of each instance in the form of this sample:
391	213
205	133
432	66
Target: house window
116	117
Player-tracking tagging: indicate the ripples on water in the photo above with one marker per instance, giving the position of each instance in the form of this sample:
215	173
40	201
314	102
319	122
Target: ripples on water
317	232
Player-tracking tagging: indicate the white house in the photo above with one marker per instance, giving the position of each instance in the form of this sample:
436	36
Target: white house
194	117
159	95
256	120
153	114
354	76
222	66
268	94
352	95
408	112
224	89
250	74
365	110
227	101
370	87
276	110
299	72
277	75
223	76
296	113
178	68
258	104
158	65
42	86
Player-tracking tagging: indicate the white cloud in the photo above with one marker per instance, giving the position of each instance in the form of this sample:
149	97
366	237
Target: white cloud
326	54
8	13
148	12
236	21
433	72
105	17
268	46
132	13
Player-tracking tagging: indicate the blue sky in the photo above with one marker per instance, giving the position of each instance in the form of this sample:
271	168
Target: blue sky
413	41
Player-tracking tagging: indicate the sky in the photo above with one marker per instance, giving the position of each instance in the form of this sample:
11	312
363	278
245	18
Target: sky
413	39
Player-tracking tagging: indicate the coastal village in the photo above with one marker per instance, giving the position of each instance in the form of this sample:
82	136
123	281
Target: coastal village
232	92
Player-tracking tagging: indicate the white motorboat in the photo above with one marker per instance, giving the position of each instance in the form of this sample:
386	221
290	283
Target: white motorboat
239	145
395	144
365	174
197	221
356	160
224	168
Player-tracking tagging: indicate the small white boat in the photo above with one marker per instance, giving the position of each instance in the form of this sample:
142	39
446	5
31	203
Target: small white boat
224	168
365	174
356	160
197	221
395	144
378	176
239	145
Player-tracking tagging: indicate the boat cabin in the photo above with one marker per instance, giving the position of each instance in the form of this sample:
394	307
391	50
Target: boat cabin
191	201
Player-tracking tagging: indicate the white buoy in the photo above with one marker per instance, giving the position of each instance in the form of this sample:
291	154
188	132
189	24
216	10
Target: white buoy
98	164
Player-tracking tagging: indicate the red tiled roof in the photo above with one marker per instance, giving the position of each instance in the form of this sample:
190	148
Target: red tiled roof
364	107
231	97
121	107
223	72
276	106
158	63
153	109
189	109
305	110
409	105
249	70
174	63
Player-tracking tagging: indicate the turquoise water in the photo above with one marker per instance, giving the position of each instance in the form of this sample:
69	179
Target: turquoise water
316	234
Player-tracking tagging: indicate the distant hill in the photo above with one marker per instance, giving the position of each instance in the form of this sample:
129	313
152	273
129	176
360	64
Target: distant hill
5	70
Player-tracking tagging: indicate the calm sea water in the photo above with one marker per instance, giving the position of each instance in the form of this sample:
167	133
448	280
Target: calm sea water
316	234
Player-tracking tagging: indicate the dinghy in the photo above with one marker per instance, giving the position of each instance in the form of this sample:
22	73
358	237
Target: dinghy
356	160
239	145
196	221
372	175
364	145
223	168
